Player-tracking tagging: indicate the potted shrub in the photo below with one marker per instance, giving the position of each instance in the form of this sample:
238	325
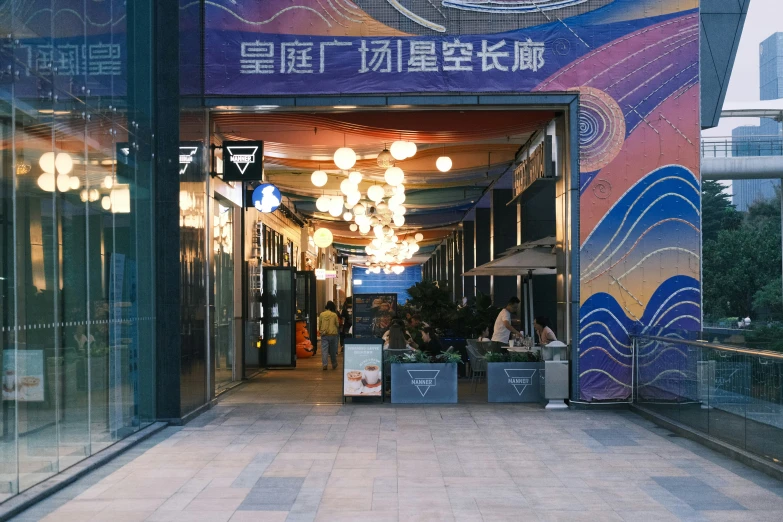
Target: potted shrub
420	379
514	377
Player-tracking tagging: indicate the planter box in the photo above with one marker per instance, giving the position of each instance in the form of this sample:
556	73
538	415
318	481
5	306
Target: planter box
514	382
424	383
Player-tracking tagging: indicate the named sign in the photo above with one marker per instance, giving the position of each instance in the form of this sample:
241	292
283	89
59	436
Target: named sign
266	198
243	160
190	168
537	165
363	374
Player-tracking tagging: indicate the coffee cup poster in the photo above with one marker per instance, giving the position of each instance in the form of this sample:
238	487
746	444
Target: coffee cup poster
23	375
363	370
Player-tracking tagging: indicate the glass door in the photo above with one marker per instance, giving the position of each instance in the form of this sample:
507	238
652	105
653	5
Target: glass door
278	299
223	278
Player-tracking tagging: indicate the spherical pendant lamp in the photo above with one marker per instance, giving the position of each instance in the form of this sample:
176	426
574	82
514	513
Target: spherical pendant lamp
399	220
352	199
419	236
354	227
63	163
385	159
347	216
323	237
347	187
319	178
46	182
355	177
411	149
399	150
322	203
443	163
364	229
336	206
375	193
394	176
344	158
360	210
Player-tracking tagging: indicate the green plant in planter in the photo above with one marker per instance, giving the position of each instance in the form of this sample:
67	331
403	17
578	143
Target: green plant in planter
477	315
512	357
421	357
434	302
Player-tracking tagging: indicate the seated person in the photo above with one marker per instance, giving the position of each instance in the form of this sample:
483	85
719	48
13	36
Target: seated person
396	338
430	342
544	332
484	337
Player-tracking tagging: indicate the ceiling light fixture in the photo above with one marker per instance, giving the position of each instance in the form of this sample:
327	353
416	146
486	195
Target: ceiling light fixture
385	159
319	178
443	163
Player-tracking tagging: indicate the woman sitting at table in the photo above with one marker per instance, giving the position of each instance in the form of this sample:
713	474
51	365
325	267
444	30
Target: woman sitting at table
431	344
395	337
484	337
544	332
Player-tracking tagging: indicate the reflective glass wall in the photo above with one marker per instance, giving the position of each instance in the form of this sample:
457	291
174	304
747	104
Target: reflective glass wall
76	232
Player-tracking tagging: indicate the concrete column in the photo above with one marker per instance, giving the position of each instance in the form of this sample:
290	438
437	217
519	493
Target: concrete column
482	242
443	264
468	258
457	268
503	236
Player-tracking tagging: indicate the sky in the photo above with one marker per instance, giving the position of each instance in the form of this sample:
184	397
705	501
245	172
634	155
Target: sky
744	83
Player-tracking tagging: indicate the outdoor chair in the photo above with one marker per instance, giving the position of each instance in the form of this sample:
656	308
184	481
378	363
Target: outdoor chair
478	366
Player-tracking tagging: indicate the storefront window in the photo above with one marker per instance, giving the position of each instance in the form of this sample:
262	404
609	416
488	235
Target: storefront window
76	204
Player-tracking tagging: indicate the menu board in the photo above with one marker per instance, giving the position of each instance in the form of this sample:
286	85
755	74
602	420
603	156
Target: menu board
373	314
23	375
363	374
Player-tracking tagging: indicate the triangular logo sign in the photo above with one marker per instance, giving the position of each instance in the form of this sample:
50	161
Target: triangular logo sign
242	156
423	380
186	158
520	379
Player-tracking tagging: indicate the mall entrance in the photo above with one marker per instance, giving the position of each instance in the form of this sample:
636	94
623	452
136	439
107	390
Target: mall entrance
483	182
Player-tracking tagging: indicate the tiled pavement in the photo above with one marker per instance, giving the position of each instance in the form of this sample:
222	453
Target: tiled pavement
247	460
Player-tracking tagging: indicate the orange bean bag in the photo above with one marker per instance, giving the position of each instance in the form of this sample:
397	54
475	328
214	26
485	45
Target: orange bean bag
304	348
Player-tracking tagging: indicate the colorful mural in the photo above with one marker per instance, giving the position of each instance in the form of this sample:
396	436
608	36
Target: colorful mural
635	66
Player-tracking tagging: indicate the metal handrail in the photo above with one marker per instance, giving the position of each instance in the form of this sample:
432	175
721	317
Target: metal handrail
720	347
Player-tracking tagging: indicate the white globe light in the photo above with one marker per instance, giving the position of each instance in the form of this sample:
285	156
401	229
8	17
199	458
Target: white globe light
354	227
75	183
355	177
336	206
398	269
344	158
364	229
415	248
47	163
108	182
399	189
106	202
63	182
352	199
84	195
401	210
399	150
375	193
322	203
63	163
319	178
399	220
346	187
323	237
396	200
443	163
378	231
359	210
348	216
419	236
94	195
394	176
46	182
411	149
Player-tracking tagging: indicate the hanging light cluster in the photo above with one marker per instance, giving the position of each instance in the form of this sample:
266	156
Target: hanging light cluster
381	212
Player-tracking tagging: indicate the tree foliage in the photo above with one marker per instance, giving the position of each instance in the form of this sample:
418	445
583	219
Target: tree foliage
741	257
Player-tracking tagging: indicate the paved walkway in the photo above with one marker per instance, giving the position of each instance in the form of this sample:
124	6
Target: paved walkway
247	460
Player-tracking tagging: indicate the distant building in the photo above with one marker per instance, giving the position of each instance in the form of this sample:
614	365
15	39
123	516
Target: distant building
764	139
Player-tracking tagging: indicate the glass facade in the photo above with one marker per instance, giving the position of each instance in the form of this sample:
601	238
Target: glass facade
77	320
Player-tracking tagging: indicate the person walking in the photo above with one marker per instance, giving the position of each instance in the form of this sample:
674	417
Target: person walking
329	327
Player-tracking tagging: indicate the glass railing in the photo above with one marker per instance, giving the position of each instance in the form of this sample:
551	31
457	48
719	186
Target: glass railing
729	392
741	147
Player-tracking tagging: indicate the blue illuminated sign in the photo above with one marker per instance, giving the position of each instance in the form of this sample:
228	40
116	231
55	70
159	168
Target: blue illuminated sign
266	198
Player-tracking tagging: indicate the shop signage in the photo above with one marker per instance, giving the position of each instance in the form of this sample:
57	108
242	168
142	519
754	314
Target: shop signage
243	160
372	314
424	383
190	168
320	274
331	274
363	374
266	198
514	382
537	165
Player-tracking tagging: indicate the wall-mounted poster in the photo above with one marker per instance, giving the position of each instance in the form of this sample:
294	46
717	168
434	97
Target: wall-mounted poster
23	375
373	314
363	368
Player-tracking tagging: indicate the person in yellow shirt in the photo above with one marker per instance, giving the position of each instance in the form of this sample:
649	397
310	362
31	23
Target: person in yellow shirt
329	327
